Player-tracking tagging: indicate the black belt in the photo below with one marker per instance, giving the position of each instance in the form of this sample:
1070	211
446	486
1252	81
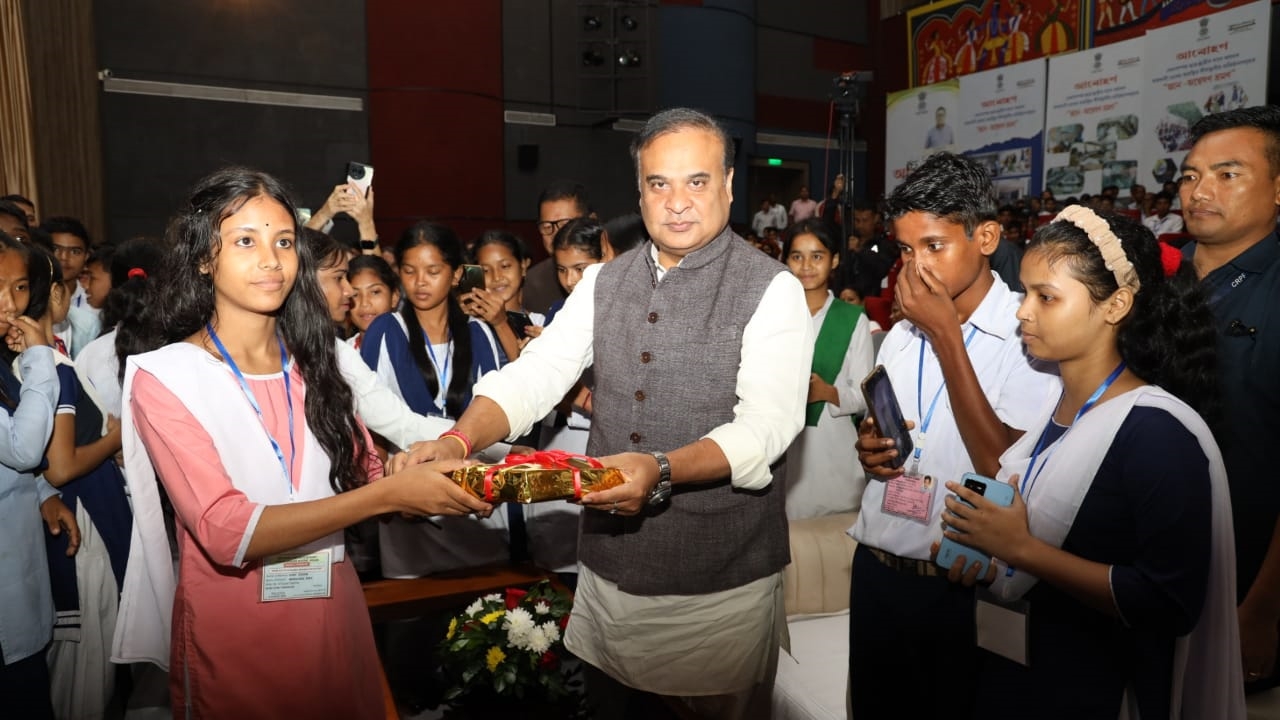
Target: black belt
906	566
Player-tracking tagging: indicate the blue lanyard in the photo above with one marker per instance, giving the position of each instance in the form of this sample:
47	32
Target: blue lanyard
1029	480
440	401
928	418
253	402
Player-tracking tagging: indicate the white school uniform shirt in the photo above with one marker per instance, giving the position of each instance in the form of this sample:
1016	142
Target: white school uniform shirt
823	474
1015	385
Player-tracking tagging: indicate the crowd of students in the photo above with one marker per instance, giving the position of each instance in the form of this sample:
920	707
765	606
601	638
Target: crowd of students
153	389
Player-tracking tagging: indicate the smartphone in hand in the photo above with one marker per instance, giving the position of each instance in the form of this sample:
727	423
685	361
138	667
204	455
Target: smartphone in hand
882	403
472	278
360	175
518	322
997	492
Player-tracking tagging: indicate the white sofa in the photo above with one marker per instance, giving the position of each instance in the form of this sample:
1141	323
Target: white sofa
812	678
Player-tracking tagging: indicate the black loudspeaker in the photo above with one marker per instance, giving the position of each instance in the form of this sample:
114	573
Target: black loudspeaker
527	158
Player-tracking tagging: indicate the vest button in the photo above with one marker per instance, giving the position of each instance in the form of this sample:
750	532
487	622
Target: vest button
640	395
645	357
635	437
653	317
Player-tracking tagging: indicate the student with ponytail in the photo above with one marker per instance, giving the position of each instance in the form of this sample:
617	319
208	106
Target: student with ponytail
1114	587
242	410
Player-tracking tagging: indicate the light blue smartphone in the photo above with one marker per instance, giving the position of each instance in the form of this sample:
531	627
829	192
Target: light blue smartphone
997	492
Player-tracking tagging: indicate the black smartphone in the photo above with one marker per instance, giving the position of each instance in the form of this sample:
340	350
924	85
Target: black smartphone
882	403
518	322
472	278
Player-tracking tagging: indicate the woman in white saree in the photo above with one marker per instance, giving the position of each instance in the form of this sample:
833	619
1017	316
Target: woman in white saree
1113	592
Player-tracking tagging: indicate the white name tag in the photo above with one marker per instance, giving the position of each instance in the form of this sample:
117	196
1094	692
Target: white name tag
1002	627
297	576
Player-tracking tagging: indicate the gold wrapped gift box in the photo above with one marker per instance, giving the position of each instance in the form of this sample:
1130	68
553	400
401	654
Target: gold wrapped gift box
530	482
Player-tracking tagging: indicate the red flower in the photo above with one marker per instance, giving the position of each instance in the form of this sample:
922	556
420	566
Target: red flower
514	596
548	661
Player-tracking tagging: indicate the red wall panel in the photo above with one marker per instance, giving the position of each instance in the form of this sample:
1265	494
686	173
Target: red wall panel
435	113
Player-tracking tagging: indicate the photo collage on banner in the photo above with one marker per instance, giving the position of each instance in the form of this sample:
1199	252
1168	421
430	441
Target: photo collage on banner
1093	119
1002	125
1197	68
922	121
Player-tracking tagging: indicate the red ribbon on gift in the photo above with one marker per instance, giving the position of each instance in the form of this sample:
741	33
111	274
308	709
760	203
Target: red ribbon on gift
552	459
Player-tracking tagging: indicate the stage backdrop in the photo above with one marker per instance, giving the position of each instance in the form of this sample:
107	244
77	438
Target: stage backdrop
921	121
1092	122
1195	68
953	38
1002	125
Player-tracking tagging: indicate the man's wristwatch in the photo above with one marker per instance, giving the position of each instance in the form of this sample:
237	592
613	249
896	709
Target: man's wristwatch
662	490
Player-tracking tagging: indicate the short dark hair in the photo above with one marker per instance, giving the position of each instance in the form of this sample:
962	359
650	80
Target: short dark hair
1162	195
566	190
1261	117
16	198
863	205
675	119
8	208
626	232
68	225
581	234
949	186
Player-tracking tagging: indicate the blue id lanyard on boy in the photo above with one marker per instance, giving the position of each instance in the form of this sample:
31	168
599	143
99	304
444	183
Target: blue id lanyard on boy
442	371
927	419
253	402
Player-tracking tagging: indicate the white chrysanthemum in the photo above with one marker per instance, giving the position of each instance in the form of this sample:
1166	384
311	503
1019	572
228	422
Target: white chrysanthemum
492	597
542	608
475	607
551	630
518	624
538	640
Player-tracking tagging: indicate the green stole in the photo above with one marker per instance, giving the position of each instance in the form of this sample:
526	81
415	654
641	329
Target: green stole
830	349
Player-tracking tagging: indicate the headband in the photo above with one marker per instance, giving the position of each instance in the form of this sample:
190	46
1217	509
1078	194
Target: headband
137	273
1108	244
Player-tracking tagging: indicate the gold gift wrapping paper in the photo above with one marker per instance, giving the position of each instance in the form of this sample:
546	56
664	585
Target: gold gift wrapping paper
529	483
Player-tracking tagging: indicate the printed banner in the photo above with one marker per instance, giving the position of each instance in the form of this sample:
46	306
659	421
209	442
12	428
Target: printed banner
1195	69
1111	21
1002	125
953	38
921	121
1093	119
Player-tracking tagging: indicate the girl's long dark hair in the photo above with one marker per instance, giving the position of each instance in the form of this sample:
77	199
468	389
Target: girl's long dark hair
1167	338
133	263
42	272
446	241
180	305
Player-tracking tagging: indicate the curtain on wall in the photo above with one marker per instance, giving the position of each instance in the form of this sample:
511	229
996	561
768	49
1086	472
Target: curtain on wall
17	146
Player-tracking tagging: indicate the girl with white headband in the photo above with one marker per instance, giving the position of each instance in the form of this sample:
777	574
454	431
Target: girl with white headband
1113	593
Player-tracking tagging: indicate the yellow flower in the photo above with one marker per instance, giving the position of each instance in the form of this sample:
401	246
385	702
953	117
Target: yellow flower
453	627
494	657
488	619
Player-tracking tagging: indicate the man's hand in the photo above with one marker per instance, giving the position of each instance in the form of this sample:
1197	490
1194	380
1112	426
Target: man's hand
926	301
630	498
426	451
58	517
1258	637
822	391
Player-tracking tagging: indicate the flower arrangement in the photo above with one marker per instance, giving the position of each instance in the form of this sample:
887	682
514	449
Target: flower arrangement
510	647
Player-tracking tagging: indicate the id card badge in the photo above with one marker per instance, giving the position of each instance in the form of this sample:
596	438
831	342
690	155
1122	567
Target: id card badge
1003	626
910	497
297	576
